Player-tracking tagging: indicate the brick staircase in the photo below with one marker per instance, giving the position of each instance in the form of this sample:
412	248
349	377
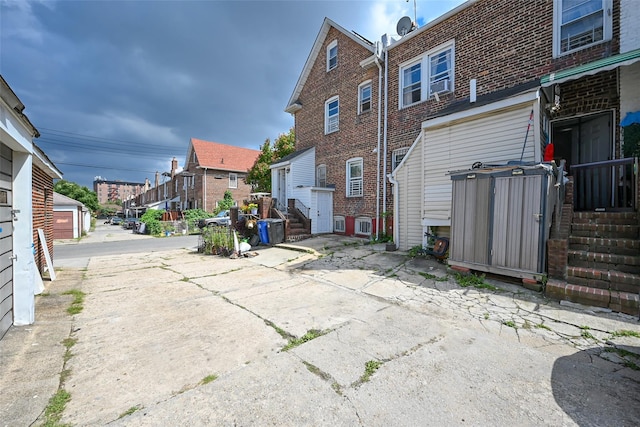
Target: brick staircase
296	230
603	260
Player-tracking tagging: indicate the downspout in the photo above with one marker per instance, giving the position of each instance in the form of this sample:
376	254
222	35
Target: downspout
204	189
395	209
378	147
384	167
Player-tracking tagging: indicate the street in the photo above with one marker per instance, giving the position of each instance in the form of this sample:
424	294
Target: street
340	333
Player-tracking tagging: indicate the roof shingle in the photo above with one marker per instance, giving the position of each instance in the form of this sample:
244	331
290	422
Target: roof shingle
213	155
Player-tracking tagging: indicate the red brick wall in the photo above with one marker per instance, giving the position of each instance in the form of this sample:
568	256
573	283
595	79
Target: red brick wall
42	199
357	136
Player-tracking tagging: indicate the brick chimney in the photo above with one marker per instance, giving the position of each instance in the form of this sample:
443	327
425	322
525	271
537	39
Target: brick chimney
174	167
157	179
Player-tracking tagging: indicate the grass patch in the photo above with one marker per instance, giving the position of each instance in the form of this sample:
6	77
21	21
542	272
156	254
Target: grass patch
53	411
433	277
474	281
76	305
625	333
68	343
587	335
625	355
310	335
369	369
130	411
208	379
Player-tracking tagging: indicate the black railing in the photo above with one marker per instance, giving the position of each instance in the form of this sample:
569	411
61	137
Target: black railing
609	185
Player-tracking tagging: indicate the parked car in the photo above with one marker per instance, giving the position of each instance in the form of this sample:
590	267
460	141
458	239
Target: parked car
116	220
129	223
221	219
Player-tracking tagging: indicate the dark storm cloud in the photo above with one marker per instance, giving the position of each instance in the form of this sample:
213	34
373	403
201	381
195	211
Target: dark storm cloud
148	75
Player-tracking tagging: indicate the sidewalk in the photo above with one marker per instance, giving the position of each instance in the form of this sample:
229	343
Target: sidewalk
157	329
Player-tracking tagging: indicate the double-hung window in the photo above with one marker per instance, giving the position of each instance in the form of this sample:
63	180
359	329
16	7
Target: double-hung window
332	115
233	180
580	23
398	155
354	177
364	97
426	75
332	55
321	176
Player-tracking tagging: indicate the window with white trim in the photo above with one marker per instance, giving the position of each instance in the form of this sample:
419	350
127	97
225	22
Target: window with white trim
332	115
363	226
332	55
426	75
364	97
233	180
321	176
580	23
354	177
397	156
338	224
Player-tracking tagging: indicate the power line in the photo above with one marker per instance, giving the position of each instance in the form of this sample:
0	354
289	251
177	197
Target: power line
98	138
102	167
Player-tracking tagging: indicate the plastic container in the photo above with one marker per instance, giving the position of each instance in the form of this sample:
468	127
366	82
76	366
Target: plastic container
263	231
275	230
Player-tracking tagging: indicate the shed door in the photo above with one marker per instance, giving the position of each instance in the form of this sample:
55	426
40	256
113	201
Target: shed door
324	214
63	225
517	222
6	240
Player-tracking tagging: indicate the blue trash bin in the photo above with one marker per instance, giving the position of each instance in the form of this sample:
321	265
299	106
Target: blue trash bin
263	231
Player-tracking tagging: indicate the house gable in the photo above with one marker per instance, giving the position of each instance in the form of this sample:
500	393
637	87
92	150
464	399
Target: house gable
213	155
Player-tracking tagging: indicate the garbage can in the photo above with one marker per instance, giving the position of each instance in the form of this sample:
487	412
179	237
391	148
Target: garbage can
275	230
263	231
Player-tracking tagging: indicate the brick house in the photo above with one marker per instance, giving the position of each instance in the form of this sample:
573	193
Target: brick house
26	200
547	72
210	170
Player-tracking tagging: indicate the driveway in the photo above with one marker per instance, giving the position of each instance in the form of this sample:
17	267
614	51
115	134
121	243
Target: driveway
334	333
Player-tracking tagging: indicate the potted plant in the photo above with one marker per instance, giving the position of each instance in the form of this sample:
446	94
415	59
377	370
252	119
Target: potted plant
253	208
245	208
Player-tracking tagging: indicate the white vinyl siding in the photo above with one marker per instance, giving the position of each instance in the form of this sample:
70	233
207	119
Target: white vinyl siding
409	212
493	139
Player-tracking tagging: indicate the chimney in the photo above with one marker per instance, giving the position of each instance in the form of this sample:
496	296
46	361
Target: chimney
157	179
147	184
174	167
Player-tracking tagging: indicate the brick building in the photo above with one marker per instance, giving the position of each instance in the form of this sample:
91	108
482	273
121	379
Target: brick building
109	191
486	83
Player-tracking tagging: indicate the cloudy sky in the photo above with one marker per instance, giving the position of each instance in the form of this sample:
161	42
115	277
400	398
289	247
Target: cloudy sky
117	88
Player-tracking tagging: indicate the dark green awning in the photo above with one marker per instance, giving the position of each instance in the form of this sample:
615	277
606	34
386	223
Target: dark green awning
591	68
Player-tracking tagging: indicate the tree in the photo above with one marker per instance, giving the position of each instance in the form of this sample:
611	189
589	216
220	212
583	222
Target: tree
227	201
76	192
259	175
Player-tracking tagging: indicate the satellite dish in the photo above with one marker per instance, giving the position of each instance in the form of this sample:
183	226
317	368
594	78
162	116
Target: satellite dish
404	26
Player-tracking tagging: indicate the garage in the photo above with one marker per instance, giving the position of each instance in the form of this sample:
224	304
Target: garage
63	225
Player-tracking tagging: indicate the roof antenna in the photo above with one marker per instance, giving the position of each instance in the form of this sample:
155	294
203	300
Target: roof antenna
415	12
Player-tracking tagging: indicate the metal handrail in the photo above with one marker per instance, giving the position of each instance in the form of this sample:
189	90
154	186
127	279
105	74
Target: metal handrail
606	185
304	210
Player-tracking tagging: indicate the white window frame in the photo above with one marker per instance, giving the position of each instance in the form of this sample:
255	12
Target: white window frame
607	27
362	99
321	176
363	222
331	122
400	152
233	180
354	186
339	225
427	76
330	47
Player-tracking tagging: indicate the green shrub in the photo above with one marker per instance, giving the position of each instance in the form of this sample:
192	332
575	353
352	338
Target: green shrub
152	219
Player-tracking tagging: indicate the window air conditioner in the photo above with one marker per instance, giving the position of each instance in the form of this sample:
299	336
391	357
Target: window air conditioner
440	86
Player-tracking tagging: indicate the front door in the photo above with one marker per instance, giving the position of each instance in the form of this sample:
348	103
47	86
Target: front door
282	190
6	240
324	214
581	142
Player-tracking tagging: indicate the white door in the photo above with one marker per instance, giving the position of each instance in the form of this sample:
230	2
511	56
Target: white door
6	240
282	190
324	212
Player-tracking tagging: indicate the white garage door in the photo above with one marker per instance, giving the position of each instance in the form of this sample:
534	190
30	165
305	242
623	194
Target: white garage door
6	241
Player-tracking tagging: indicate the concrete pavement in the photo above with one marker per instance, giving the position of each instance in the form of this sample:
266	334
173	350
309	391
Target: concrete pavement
179	338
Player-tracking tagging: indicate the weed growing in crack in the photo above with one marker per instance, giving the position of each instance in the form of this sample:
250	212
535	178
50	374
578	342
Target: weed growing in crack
369	369
284	334
55	407
625	355
510	323
76	305
336	387
625	333
68	343
486	316
471	280
310	335
208	379
542	326
130	411
587	335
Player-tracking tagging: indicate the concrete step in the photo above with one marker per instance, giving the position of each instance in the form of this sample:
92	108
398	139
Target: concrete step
605	245
604	261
